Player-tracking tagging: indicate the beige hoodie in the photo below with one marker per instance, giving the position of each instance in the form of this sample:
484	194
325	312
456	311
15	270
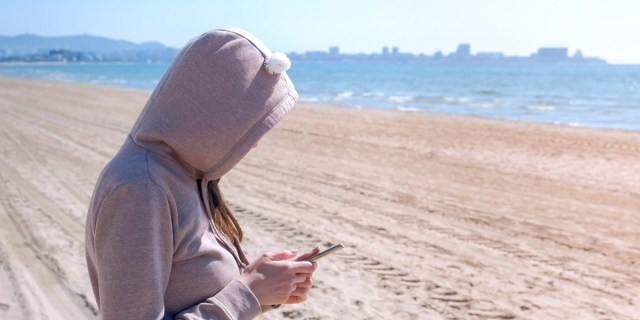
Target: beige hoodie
151	252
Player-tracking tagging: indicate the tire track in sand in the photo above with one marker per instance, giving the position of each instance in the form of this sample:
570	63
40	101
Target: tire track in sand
45	238
397	283
36	275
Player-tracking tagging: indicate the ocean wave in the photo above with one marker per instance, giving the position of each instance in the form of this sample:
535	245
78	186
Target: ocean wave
408	109
105	80
484	105
400	99
374	94
541	107
428	99
487	92
456	99
344	95
570	124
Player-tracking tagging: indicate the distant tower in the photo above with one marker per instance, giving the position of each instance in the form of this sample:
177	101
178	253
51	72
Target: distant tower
578	55
463	51
385	51
395	51
334	51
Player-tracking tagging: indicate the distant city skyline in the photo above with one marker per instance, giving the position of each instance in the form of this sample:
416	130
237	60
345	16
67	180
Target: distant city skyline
463	51
516	28
83	48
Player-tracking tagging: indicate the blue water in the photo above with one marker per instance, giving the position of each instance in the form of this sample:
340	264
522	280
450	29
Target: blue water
136	75
590	95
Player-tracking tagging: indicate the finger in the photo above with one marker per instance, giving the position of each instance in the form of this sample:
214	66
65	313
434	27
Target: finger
302	267
292	300
281	254
298	296
305	255
300	279
307	283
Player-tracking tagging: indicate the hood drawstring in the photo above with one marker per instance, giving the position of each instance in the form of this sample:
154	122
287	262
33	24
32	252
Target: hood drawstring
232	245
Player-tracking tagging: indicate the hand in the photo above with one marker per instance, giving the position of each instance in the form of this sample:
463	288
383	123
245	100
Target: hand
305	255
274	278
302	291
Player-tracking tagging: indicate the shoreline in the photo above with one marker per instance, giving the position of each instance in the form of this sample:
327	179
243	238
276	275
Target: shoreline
338	105
443	216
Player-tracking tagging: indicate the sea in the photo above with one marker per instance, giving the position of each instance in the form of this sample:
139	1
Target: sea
573	94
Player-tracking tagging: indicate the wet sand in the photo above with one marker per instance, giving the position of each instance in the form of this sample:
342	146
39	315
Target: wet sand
443	217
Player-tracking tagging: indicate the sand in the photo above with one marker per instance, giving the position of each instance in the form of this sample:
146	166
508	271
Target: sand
443	217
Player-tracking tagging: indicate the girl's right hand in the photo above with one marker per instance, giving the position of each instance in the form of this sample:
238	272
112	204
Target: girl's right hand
273	277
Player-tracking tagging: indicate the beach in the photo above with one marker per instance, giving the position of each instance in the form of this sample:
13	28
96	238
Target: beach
442	217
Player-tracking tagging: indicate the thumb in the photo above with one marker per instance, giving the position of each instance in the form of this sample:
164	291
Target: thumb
282	254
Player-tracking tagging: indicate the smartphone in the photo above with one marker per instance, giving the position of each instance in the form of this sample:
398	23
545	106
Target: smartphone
325	252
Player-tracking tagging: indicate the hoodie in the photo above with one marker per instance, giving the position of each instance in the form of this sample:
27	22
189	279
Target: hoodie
151	250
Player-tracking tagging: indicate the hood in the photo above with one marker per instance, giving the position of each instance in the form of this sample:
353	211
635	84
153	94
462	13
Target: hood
214	103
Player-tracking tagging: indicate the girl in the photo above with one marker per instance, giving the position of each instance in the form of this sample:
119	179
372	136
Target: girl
160	241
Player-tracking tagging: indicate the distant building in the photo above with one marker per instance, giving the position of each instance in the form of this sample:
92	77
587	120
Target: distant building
490	55
463	51
334	51
385	51
395	51
552	54
316	55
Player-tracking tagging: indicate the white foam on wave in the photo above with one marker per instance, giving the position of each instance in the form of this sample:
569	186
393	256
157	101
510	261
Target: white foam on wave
344	95
484	105
541	107
375	94
455	99
570	124
449	99
400	99
105	80
407	109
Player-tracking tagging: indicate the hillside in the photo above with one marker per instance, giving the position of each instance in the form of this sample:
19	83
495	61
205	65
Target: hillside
29	47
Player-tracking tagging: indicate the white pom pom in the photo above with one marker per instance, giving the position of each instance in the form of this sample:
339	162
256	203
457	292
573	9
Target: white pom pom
277	63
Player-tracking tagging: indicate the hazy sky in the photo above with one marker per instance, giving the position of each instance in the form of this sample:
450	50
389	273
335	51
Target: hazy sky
608	29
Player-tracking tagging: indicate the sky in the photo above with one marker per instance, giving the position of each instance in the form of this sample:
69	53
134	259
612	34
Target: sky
605	29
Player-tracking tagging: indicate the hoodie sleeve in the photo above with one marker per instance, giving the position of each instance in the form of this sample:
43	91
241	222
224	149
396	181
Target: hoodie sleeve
235	301
133	243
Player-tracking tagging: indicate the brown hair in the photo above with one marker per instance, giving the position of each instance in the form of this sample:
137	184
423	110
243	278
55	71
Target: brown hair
220	214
